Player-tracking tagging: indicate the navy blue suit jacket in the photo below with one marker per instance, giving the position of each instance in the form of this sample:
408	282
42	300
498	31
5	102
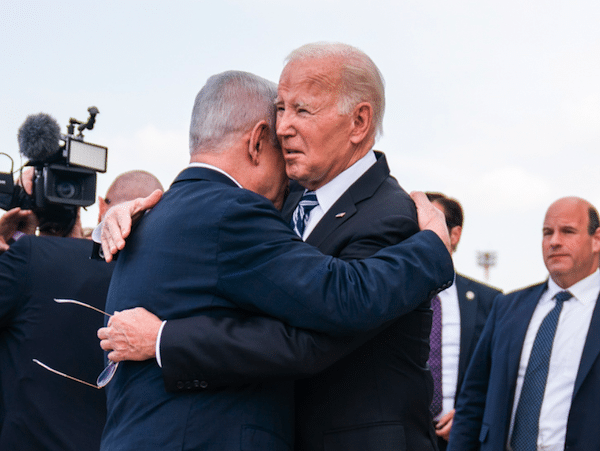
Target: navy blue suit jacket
44	411
377	397
484	406
211	248
475	301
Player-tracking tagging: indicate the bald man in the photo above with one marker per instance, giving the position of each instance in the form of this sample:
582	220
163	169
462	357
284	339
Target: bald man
128	186
534	380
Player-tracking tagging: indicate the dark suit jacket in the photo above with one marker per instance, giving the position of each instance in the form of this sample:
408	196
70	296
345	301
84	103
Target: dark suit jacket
211	248
484	406
474	303
45	411
474	310
376	398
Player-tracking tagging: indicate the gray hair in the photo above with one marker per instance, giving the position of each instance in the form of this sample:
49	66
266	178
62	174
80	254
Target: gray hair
361	79
230	103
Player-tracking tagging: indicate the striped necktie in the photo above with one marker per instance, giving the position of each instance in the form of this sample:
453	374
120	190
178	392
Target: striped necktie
302	212
527	417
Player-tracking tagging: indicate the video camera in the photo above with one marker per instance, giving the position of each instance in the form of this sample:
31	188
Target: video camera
64	174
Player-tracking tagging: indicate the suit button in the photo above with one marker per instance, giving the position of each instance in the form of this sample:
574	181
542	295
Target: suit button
203	384
180	385
188	385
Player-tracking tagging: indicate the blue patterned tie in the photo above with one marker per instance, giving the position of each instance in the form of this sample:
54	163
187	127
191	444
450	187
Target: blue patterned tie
435	356
302	212
527	416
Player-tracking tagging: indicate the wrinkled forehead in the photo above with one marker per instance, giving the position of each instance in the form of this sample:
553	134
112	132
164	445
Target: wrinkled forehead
311	77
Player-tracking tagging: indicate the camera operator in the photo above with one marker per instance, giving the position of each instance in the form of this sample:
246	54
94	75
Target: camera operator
17	221
44	411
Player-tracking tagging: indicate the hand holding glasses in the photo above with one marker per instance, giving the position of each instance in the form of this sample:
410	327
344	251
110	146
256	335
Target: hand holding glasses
106	375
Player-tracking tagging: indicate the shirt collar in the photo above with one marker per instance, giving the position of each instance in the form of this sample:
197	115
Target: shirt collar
329	193
195	164
585	291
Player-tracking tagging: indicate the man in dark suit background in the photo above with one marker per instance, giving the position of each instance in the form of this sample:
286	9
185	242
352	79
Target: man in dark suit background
211	248
465	307
329	112
533	382
44	411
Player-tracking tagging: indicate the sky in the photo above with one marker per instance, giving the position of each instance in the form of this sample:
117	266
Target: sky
494	103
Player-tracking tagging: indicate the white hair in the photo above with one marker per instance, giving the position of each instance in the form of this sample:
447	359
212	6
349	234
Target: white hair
361	79
229	103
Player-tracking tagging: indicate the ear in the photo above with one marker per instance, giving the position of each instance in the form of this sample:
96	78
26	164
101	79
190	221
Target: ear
362	118
596	241
259	133
455	234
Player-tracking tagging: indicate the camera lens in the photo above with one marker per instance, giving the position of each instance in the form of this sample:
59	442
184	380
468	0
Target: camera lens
66	189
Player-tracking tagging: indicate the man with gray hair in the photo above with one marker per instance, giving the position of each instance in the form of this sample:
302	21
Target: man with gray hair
330	107
212	249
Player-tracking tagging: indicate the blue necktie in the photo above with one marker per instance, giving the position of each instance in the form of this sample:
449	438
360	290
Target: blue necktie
527	417
302	212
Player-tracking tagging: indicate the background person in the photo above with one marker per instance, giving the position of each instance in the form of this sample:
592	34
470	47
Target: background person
463	309
533	380
44	411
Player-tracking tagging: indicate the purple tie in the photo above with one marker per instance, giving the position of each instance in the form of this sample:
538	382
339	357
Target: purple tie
435	356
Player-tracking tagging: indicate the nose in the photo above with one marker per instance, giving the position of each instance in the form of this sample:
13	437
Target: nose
554	240
284	124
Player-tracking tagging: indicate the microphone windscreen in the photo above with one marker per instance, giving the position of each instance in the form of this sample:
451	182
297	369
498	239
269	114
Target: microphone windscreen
39	137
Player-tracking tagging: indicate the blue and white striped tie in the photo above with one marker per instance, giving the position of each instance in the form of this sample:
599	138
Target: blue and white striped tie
302	212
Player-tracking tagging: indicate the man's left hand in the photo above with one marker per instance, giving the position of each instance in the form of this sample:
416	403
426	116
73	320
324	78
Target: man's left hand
442	429
130	335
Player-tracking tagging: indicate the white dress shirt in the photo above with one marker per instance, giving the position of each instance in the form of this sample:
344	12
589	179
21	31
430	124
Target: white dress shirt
569	340
450	347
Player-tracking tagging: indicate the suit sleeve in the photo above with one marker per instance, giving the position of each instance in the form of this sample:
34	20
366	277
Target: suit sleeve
294	282
470	404
227	351
234	351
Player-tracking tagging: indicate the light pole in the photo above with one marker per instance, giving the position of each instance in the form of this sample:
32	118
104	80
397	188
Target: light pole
486	259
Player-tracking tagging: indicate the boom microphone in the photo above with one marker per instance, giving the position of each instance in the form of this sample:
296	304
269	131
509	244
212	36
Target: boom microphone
39	137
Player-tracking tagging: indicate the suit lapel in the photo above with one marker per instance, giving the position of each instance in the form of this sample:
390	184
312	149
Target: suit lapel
345	207
591	349
468	316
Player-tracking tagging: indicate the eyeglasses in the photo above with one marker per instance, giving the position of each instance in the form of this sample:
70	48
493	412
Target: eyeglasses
106	375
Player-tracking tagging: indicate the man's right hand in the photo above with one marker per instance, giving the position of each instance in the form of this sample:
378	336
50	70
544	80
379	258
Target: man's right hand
15	220
430	218
116	225
130	335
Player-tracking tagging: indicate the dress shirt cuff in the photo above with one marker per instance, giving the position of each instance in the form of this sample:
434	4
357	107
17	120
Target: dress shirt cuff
158	359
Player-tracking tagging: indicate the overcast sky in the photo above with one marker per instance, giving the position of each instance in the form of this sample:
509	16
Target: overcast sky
496	103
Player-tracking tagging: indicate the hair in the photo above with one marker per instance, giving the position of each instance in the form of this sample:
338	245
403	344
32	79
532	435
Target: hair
131	185
361	80
452	209
56	220
594	221
230	103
